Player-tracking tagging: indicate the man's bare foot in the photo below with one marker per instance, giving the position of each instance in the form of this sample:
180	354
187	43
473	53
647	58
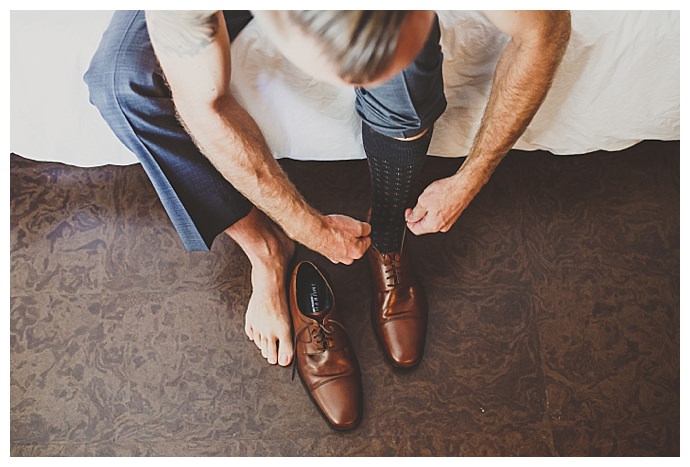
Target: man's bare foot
267	321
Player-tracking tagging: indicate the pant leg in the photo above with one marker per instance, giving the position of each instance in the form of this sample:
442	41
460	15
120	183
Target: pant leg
127	86
400	108
412	100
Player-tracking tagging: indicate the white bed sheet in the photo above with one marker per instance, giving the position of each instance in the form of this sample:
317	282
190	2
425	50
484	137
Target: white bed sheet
619	83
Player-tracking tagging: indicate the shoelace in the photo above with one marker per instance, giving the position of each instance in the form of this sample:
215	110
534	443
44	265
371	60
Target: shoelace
392	271
319	333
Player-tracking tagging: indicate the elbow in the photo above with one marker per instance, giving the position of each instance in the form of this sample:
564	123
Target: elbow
203	103
548	37
560	29
222	103
554	34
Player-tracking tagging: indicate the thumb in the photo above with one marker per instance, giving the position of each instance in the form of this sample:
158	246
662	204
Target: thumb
365	229
415	214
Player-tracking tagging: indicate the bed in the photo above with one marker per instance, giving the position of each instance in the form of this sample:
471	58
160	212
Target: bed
619	83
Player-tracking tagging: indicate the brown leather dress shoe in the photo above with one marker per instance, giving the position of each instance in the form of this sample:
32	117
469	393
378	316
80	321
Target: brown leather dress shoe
399	308
324	357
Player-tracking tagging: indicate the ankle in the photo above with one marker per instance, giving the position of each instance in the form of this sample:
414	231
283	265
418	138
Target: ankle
268	249
261	240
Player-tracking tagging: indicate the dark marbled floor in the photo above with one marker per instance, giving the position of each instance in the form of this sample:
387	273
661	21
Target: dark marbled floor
555	313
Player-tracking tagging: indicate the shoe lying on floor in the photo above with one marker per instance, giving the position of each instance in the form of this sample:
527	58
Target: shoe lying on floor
324	357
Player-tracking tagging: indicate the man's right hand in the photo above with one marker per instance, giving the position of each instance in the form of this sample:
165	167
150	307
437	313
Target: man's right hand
342	239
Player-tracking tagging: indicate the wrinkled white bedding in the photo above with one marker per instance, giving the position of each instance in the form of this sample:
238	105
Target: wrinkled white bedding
619	83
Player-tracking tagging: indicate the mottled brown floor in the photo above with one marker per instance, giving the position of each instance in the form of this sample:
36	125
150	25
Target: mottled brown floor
554	320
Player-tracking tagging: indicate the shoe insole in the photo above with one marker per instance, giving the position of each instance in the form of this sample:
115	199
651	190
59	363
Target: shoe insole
313	294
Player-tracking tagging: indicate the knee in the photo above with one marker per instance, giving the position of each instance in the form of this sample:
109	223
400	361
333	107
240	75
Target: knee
123	85
400	118
414	137
400	127
99	79
116	59
112	83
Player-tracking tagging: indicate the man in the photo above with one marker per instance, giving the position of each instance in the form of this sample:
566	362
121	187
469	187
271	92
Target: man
161	79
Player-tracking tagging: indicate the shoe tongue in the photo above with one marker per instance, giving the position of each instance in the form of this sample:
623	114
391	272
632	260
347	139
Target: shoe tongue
317	316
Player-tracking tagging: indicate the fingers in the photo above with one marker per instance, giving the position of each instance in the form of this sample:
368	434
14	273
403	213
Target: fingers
360	245
415	214
359	248
364	244
419	228
428	223
418	220
365	229
347	240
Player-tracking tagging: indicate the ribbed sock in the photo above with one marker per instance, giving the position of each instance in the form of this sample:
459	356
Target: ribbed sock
395	167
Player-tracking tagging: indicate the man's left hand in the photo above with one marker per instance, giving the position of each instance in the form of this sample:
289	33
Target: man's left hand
441	204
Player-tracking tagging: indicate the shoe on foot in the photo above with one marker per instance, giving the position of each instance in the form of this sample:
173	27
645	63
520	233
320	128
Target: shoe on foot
399	307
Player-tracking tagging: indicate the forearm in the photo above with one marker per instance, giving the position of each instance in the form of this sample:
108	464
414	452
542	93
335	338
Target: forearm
229	137
523	76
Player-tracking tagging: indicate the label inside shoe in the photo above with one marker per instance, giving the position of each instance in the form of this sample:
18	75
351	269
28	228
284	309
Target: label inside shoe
314	298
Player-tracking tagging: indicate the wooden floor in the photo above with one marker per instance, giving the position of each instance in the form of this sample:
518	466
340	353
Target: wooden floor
554	308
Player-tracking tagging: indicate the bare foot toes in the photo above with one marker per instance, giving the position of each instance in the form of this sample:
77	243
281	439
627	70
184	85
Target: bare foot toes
267	322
